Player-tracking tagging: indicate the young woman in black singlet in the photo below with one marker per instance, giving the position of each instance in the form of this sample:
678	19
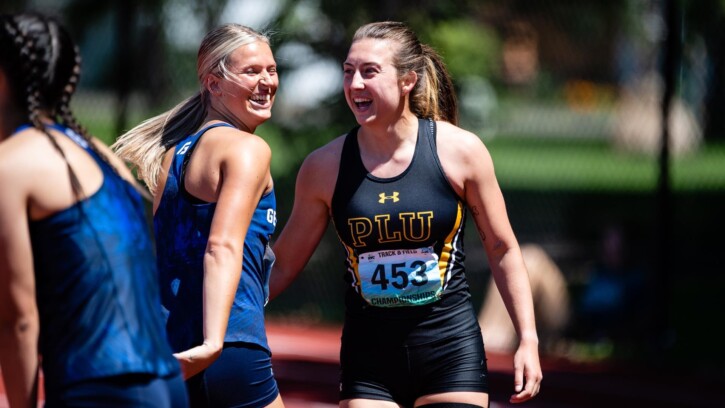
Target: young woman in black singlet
398	187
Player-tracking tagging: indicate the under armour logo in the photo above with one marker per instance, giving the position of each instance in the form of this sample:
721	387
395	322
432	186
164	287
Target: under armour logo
384	197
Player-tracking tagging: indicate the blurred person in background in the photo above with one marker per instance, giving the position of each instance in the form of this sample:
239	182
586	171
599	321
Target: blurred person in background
550	292
397	187
611	307
78	278
214	212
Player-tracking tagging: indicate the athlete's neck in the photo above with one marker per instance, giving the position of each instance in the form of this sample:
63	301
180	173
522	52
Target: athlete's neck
214	114
390	153
391	136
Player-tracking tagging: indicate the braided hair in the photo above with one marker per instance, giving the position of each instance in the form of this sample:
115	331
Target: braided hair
43	65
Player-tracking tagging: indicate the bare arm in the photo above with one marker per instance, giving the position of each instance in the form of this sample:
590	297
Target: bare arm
472	170
244	176
309	218
19	325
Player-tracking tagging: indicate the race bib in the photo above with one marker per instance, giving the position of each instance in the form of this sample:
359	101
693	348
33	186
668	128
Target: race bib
400	277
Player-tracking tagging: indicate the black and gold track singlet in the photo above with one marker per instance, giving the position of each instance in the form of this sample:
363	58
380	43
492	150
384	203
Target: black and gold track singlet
403	235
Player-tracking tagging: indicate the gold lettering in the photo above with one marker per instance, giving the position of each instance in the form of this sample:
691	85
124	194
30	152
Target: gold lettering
416	222
360	228
384	234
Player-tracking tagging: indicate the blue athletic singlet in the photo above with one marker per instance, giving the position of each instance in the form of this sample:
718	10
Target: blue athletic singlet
182	223
96	288
403	238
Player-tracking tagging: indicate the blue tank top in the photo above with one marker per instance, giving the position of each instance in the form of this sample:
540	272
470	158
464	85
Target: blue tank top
403	238
96	287
182	223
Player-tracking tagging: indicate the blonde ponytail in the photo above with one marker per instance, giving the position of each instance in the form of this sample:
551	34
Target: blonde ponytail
144	146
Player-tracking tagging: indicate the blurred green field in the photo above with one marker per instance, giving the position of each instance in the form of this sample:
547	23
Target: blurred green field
592	165
527	163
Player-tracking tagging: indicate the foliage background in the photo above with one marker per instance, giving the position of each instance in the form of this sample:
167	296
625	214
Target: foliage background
546	84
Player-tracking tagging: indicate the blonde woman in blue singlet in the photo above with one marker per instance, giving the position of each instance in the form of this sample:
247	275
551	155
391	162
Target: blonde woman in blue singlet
214	213
397	188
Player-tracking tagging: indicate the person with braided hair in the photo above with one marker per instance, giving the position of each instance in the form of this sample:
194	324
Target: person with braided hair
397	187
214	213
78	278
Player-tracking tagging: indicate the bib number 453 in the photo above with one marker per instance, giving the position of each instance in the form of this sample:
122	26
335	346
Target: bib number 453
400	274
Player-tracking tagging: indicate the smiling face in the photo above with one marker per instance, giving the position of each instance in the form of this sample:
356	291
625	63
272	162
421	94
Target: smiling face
247	91
374	90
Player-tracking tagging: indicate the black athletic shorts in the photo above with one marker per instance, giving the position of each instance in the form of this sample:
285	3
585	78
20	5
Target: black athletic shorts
404	373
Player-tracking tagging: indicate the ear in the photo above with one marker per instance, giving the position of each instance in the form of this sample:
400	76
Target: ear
408	81
212	84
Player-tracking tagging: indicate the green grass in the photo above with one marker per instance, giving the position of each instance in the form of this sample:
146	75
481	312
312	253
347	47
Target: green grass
704	171
592	165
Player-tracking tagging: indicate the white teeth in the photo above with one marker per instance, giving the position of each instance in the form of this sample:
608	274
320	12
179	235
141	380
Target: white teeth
360	100
262	98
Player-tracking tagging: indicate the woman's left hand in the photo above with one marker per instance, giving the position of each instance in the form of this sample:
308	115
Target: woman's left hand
527	372
197	359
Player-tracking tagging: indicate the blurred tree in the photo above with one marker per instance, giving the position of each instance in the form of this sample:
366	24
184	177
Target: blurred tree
468	48
134	48
703	22
208	11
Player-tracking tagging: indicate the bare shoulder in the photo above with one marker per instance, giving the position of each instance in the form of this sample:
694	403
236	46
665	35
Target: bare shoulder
227	143
462	154
16	151
460	146
11	164
458	139
25	140
318	174
233	137
29	165
325	158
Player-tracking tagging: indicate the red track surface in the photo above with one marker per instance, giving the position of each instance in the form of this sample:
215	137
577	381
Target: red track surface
306	367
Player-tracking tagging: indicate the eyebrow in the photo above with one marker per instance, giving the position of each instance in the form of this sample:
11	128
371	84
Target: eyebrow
364	64
253	66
